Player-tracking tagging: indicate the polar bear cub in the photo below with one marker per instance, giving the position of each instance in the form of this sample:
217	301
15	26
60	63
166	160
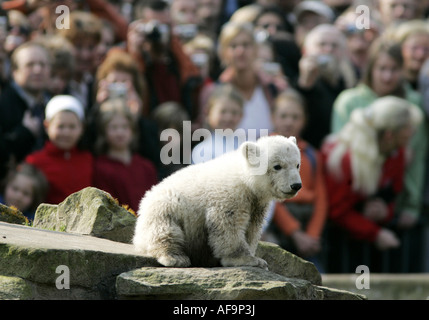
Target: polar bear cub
211	214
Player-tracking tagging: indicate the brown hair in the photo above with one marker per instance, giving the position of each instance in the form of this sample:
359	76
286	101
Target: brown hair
107	111
82	25
118	60
378	47
225	91
40	183
290	95
60	50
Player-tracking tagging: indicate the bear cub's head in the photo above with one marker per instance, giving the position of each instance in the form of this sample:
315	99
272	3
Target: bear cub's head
274	163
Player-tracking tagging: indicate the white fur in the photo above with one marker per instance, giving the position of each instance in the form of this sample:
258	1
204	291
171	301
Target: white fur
212	212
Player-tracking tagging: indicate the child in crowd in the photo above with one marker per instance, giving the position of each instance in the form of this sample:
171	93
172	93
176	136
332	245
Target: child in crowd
67	168
118	169
224	113
298	223
25	188
170	117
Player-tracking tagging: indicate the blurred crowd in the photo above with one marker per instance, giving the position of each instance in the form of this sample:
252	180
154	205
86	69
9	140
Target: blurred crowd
96	92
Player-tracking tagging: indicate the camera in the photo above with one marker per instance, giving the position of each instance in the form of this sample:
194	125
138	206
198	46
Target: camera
324	60
117	90
272	68
155	32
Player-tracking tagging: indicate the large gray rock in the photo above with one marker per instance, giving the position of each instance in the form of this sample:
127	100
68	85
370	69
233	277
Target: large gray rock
33	255
247	283
287	264
88	212
104	269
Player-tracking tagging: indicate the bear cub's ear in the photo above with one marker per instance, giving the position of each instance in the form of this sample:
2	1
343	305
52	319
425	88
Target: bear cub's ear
293	139
251	152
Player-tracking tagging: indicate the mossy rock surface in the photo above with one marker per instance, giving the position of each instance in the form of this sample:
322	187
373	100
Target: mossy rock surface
12	215
88	212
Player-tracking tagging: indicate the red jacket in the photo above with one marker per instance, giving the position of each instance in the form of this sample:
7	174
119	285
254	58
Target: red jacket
345	204
126	182
66	171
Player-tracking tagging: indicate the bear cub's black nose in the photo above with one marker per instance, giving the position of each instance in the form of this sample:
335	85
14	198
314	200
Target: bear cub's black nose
296	186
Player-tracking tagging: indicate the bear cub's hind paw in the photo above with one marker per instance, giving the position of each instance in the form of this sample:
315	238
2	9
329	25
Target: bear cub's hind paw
174	261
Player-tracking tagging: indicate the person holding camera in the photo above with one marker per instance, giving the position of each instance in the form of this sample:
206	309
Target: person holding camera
169	71
324	72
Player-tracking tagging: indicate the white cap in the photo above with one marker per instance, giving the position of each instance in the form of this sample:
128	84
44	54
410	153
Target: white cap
64	103
317	7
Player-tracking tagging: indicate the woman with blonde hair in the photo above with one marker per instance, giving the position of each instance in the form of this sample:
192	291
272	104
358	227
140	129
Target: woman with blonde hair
413	36
237	51
365	164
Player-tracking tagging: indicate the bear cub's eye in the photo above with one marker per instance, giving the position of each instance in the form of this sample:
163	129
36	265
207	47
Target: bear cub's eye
297	166
277	167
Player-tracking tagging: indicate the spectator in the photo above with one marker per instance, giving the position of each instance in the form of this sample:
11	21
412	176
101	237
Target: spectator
201	50
309	14
268	67
170	117
298	223
238	53
271	20
84	34
62	65
25	188
393	12
45	15
22	104
169	72
118	169
67	168
19	30
384	77
365	164
325	72
209	17
359	40
121	69
119	77
288	46
414	39
183	12
224	112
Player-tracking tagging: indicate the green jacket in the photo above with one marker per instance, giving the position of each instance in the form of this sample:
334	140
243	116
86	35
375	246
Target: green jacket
410	199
